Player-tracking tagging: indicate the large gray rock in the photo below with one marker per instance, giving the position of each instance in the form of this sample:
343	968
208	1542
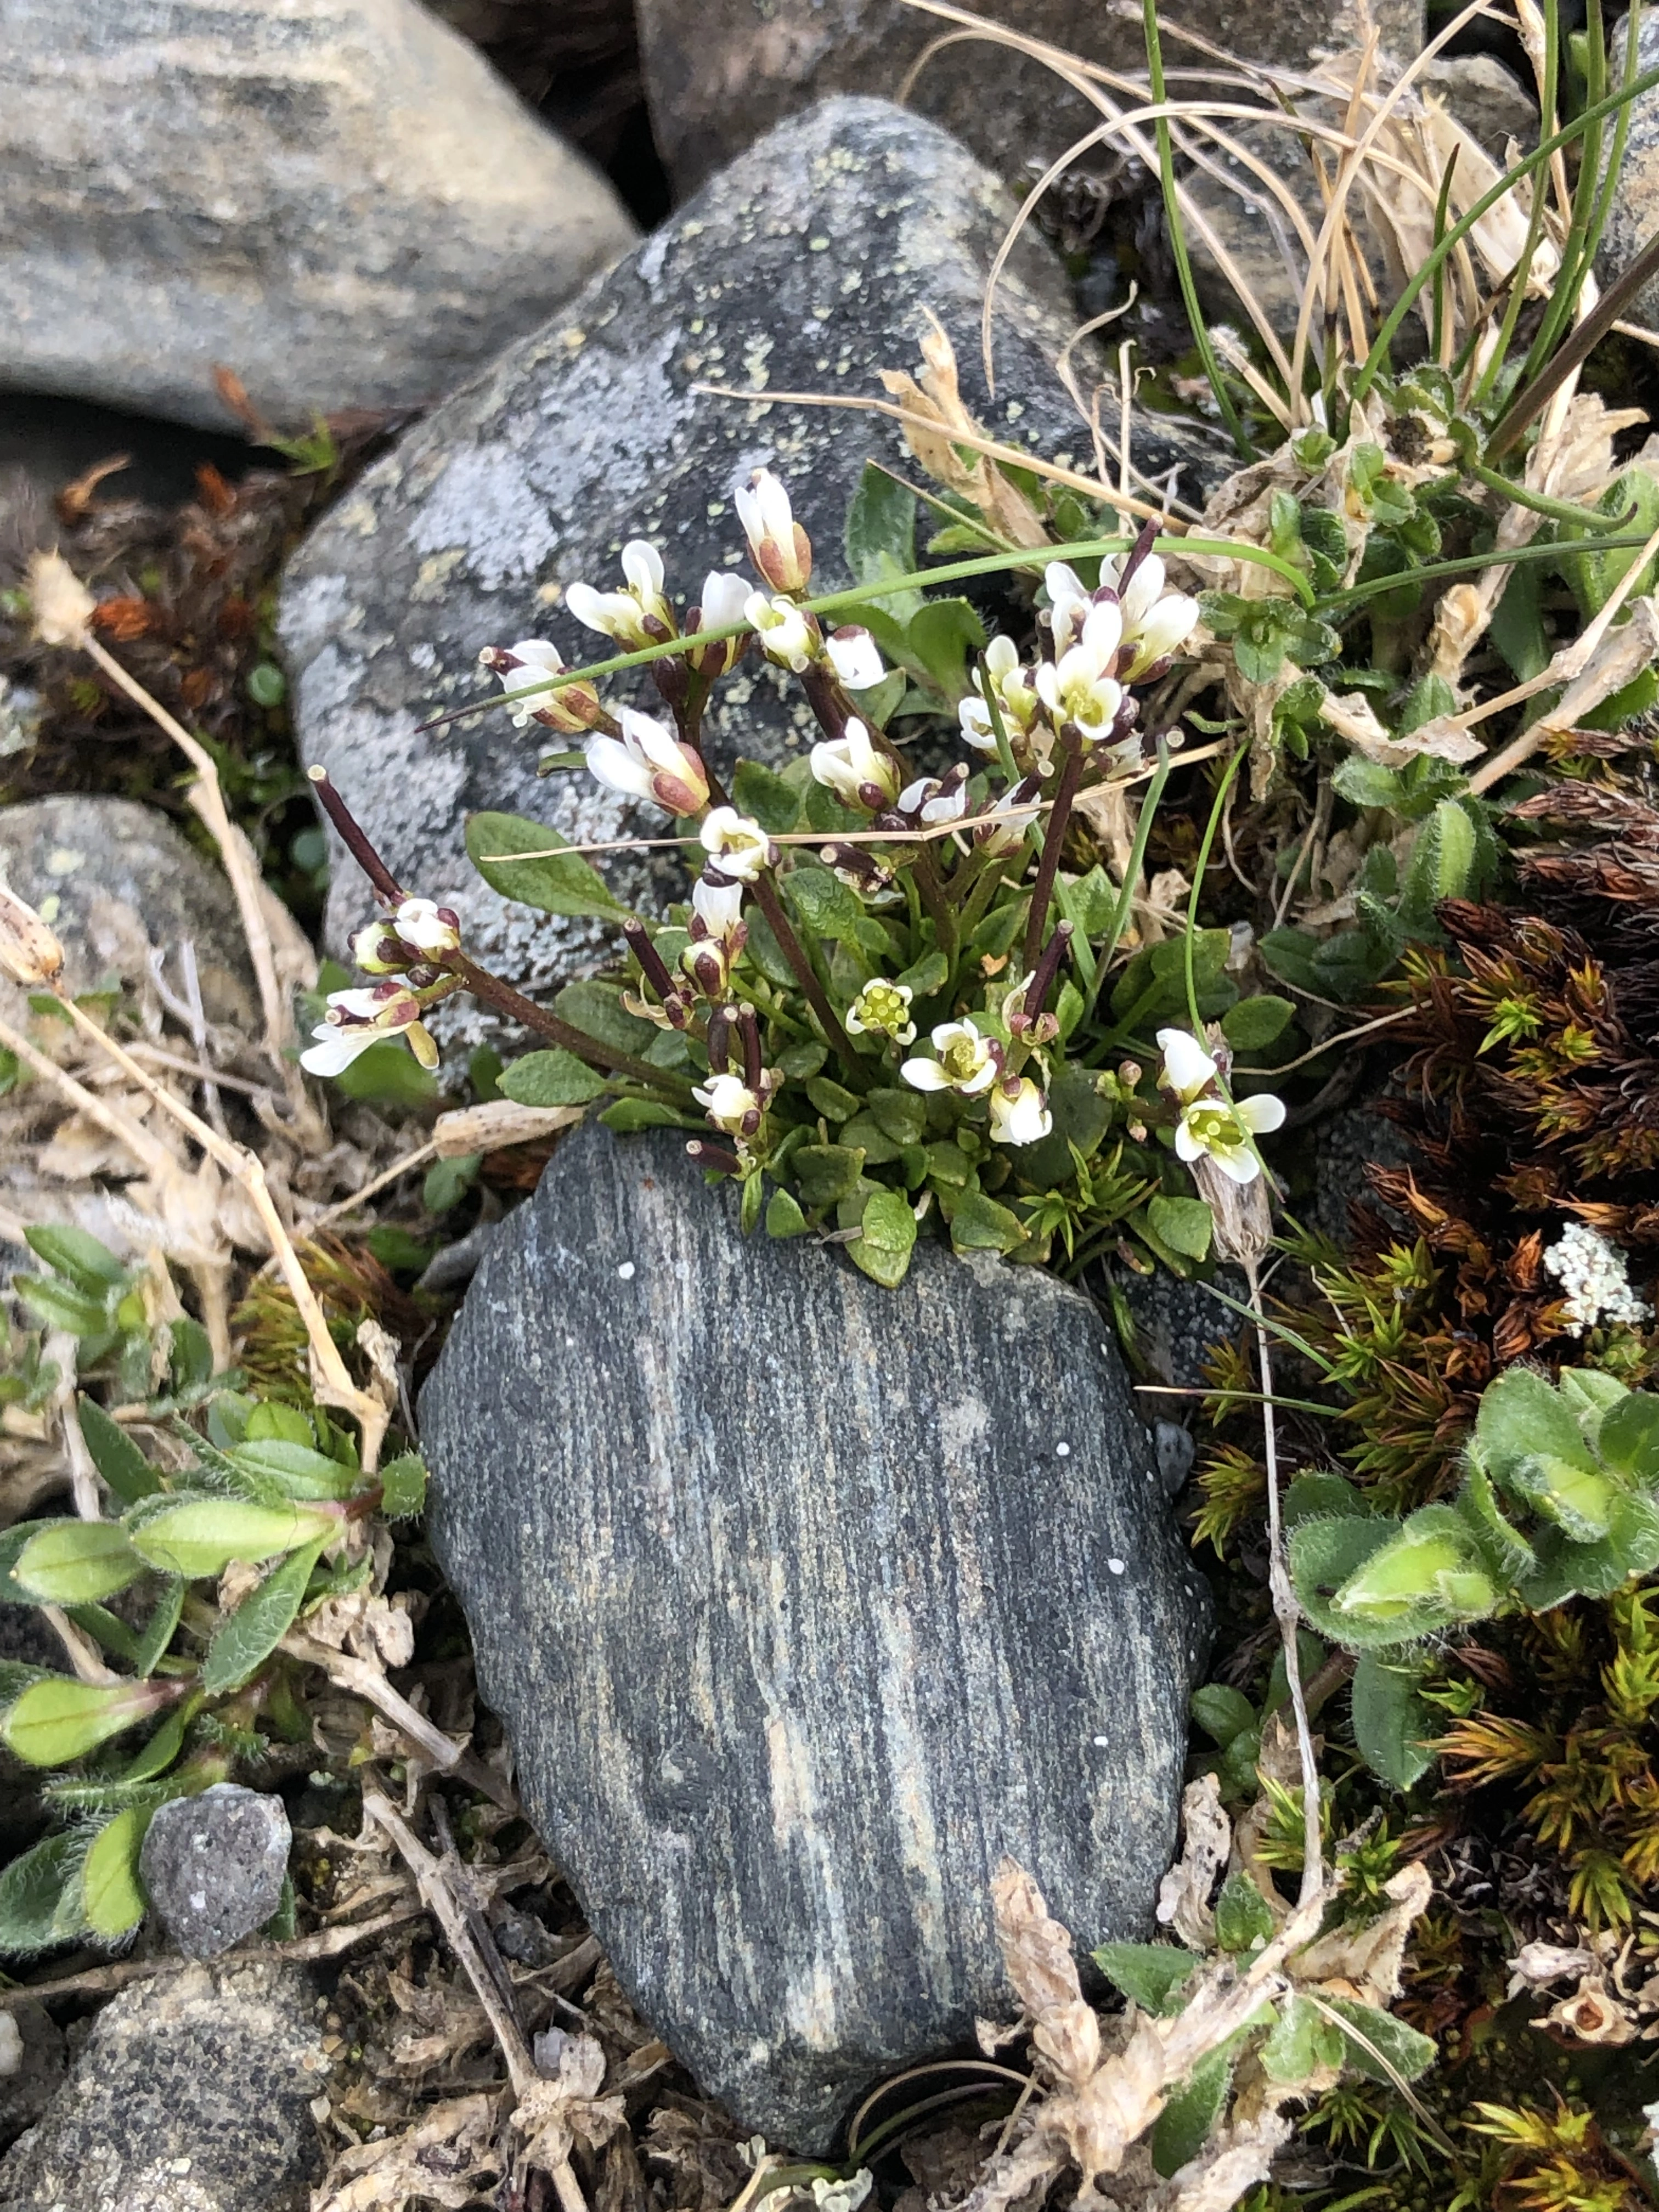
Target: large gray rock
804	1602
718	74
1634	216
335	198
809	264
213	1866
114	879
190	2094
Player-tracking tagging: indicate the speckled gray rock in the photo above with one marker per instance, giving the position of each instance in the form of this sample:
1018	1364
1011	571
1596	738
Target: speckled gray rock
337	199
804	1601
189	2095
1178	1325
114	879
810	265
1634	216
719	73
213	1866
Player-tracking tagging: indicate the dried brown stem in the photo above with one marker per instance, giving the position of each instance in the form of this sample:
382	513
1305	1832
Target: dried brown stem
766	899
367	1682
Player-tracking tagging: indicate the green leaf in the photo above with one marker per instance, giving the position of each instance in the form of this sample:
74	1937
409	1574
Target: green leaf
153	1644
926	975
1222	1712
1520	1415
978	1223
880	539
189	1363
824	905
1365	782
1392	2044
832	1100
1152	1975
1628	1436
784	1217
59	1307
901	1116
1390	1719
447	1181
942	635
554	1078
90	1266
111	1894
271	1422
387	1074
1289	954
826	1173
1185	1225
1243	1920
31	1896
1427	1574
293	1470
1595	576
1184	2125
1254	1023
1302	2042
245	1639
164	1747
58	1720
887	1234
1325	1551
195	1536
596	1009
560	883
630	1116
762	793
1320	1492
1441	864
76	1562
403	1486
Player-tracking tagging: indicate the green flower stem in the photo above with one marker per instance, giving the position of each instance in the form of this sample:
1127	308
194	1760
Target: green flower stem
1338	604
1522	272
766	899
1217	807
513	1004
1042	889
1561	510
1570	276
1535	397
941	911
1125	905
1380	353
977	904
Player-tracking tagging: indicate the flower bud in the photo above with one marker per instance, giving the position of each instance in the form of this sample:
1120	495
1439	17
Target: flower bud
571	709
780	547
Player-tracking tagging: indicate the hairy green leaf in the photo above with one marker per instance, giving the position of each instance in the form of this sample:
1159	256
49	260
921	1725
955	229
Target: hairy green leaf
556	882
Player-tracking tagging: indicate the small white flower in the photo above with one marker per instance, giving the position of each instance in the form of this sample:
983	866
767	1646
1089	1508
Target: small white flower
1019	1112
1594	1279
1078	688
1012	816
637	616
779	547
1015	694
1069	604
716	910
358	1019
731	1105
724	598
419	930
739	846
968	1063
572	708
932	801
1163	630
786	635
1212	1127
649	761
851	767
883	1009
855	657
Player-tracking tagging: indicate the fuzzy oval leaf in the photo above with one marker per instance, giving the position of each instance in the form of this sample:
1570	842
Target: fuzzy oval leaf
89	1264
553	1078
1390	1719
403	1486
1191	2112
783	1216
245	1639
1151	1974
198	1537
32	1891
1243	1920
60	1306
1521	1415
1254	1023
117	1458
557	881
76	1562
163	1747
111	1894
58	1720
887	1234
300	1470
1184	1223
1377	2042
978	1223
1221	1711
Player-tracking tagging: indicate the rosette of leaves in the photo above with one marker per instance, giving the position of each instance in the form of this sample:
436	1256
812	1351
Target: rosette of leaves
270	1490
1559	1498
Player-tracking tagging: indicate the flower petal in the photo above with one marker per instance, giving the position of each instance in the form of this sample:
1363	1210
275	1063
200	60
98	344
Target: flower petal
1260	1113
1187	1067
924	1075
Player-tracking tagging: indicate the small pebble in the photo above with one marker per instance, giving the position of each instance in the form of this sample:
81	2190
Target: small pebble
626	1271
1063	1451
1115	1566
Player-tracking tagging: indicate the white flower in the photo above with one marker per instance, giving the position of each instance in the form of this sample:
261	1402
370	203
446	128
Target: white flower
855	657
968	1063
1212	1125
1594	1279
724	598
1163	630
883	1009
932	801
418	929
358	1019
716	910
739	846
1078	688
1069	604
649	761
1012	816
1019	1112
779	547
786	635
572	708
731	1105
851	767
1017	700
637	616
